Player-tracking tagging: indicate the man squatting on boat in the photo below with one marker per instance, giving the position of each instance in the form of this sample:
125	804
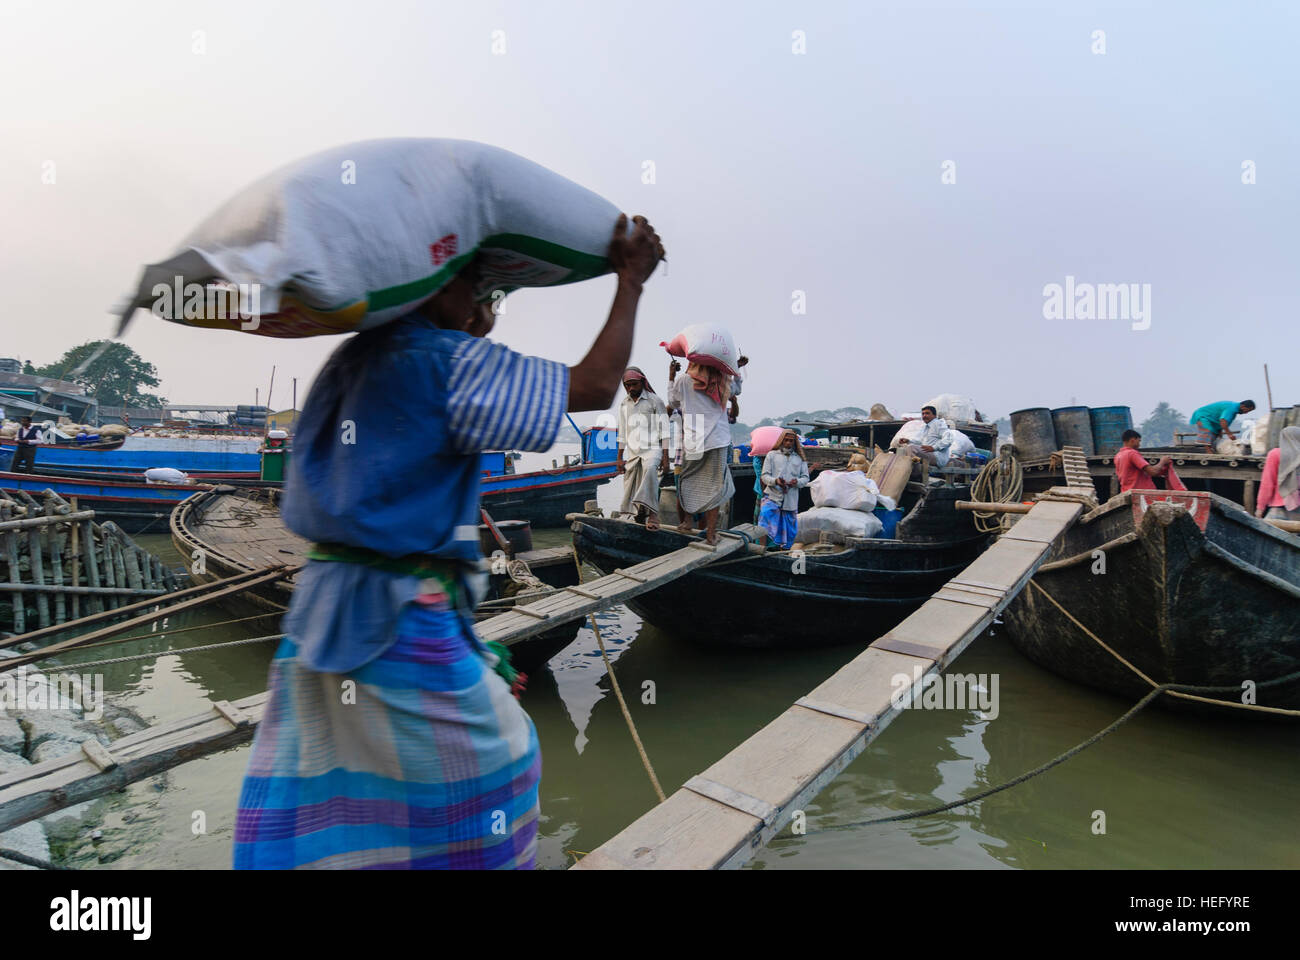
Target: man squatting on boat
389	740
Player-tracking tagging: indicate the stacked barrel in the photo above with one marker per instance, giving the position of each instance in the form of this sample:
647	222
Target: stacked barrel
1038	432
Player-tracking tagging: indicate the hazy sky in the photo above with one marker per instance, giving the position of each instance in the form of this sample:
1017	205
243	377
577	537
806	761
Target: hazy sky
775	172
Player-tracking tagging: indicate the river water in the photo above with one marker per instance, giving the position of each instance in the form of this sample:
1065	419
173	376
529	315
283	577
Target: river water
1168	790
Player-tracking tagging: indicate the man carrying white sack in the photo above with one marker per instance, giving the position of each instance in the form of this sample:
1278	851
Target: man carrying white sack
642	447
704	485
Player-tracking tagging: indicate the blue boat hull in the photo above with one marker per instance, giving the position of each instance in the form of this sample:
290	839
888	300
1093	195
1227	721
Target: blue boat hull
69	457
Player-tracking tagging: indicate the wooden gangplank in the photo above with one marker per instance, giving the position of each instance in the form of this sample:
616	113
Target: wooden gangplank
570	603
96	770
725	815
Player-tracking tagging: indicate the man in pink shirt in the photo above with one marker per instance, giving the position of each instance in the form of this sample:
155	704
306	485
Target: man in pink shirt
1133	470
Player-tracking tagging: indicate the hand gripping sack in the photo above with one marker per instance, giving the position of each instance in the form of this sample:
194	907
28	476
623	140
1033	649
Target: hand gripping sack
710	344
358	235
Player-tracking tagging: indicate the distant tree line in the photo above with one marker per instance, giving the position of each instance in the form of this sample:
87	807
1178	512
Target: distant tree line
111	372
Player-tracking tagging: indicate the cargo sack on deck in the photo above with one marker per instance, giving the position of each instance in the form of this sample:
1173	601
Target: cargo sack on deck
909	431
960	444
846	489
844	523
358	235
951	406
708	344
891	471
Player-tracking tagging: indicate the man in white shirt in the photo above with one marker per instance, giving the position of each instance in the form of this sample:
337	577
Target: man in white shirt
931	446
642	447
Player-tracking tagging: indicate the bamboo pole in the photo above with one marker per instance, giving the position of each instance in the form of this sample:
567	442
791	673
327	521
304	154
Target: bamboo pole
33	520
95	604
73	538
56	568
37	563
15	574
83	591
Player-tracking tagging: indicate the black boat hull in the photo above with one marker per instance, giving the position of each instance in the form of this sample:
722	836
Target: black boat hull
1218	606
780	599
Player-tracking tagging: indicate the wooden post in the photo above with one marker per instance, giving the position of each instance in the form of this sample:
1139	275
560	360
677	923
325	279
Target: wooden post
15	575
38	575
1248	496
73	541
94	604
56	573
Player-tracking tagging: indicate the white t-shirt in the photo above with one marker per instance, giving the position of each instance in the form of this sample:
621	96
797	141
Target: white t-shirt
704	423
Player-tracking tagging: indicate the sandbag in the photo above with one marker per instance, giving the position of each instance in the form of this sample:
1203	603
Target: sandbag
846	523
361	234
891	472
879	412
952	406
165	475
763	439
909	431
846	489
708	344
959	445
114	430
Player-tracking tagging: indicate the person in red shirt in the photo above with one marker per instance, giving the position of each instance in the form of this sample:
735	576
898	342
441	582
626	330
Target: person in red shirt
1279	491
1132	468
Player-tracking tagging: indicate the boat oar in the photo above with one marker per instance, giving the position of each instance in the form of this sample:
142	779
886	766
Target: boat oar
496	534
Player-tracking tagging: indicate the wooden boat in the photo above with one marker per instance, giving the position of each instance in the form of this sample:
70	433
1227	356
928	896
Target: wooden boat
837	442
848	595
1195	591
134	505
225	531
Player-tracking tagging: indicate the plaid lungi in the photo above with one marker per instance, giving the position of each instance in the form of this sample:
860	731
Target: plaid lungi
640	485
705	484
421	759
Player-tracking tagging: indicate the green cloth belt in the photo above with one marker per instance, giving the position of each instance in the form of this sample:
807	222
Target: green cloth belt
446	572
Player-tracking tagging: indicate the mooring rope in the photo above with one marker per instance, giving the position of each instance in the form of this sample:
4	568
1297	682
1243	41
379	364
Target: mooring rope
176	652
159	634
1281	711
1137	708
618	693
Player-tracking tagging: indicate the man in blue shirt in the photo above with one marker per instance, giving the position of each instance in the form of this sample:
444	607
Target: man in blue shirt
1215	419
389	740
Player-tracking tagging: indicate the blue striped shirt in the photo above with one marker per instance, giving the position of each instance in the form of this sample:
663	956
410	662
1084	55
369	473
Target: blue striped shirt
386	457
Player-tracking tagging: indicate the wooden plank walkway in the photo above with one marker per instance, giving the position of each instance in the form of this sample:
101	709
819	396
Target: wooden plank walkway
96	770
722	817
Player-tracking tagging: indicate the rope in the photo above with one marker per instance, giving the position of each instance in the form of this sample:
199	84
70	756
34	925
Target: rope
1282	711
14	855
999	481
154	636
622	704
1133	711
178	652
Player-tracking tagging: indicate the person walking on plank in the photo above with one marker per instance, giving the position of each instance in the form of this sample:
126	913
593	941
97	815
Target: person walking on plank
390	737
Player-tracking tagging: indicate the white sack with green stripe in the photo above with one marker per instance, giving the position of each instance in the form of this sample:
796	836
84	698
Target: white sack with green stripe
353	237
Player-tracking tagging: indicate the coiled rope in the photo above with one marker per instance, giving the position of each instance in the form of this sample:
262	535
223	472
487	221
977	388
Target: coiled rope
999	481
